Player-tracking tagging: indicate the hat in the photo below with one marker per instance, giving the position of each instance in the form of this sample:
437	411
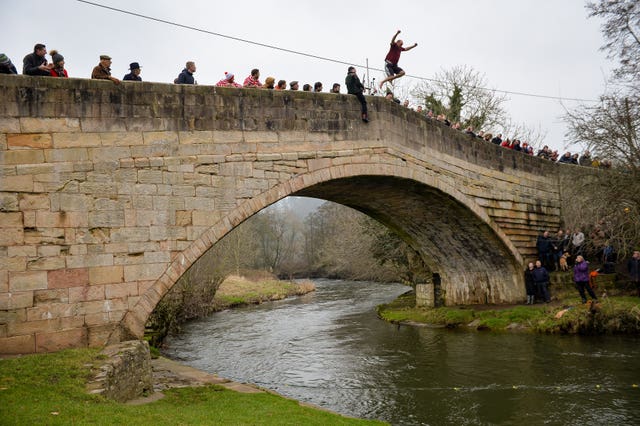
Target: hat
228	76
105	57
56	57
293	83
134	66
4	60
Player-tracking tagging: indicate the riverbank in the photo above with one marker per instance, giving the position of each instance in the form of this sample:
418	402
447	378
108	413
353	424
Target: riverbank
565	315
238	291
51	389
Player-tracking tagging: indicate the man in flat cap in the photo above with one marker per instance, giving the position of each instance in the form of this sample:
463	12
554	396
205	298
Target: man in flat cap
102	71
134	75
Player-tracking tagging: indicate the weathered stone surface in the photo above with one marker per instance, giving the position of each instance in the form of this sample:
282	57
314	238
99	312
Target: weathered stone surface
102	210
126	372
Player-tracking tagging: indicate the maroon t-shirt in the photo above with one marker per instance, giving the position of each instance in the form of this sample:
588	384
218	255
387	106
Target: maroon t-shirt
394	53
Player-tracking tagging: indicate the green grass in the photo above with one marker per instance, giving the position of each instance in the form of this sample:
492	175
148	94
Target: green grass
618	314
49	389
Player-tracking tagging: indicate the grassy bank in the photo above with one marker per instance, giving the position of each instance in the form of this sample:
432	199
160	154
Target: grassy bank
618	314
238	291
50	389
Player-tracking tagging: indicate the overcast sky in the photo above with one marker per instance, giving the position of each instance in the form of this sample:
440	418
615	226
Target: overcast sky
545	47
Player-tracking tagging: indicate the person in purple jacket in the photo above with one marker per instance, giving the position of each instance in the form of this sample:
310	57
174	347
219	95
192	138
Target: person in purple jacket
581	278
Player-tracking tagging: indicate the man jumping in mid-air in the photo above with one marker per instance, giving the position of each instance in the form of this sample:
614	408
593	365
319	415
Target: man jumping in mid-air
391	67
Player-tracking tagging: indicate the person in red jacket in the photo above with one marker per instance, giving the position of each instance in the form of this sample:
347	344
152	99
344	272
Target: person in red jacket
391	67
58	65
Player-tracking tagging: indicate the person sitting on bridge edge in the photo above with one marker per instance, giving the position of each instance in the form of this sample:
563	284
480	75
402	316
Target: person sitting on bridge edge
391	67
356	88
253	80
102	71
134	75
35	63
6	67
228	81
186	76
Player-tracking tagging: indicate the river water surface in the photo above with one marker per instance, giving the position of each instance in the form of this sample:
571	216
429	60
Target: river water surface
328	348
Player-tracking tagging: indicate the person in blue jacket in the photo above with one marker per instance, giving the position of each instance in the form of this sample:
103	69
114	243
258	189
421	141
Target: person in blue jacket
541	279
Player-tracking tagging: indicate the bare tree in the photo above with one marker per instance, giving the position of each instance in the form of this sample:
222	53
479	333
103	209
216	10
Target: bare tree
610	200
461	94
621	29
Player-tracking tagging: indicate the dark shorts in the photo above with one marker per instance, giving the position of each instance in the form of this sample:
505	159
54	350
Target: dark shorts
391	69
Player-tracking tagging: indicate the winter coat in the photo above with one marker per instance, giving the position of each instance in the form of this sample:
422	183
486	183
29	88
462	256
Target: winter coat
634	269
31	62
540	275
185	77
581	272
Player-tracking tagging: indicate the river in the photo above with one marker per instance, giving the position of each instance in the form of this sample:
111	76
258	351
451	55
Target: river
329	348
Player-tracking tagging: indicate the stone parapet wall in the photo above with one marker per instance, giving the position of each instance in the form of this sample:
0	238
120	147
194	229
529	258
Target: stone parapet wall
108	193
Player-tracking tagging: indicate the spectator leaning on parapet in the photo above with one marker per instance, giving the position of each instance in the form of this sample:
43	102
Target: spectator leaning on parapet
294	85
585	159
282	85
253	80
269	83
134	75
306	88
317	87
228	81
35	63
6	67
102	71
58	65
186	76
335	88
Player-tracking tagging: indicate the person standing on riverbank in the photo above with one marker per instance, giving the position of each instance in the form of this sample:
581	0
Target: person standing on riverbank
633	265
581	279
529	284
541	279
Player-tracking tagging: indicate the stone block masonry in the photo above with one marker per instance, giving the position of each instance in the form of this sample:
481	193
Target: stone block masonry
108	194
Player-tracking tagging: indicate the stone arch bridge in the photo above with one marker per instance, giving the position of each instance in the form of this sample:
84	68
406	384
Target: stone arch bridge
109	193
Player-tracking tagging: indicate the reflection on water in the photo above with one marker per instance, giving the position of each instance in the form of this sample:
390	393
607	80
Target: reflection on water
329	348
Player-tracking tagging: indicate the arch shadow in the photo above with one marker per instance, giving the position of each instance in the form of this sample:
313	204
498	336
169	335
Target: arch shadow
455	236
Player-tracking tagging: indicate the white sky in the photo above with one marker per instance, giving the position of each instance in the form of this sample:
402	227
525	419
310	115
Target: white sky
544	47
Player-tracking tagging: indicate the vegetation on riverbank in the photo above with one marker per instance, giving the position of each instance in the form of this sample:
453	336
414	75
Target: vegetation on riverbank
238	291
619	314
51	389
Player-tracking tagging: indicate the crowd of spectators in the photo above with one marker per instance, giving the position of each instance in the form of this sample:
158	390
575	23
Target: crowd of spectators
36	64
514	144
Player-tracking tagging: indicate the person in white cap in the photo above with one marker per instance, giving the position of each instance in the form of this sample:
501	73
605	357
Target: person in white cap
228	81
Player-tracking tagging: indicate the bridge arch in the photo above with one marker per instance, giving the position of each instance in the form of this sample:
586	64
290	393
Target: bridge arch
455	236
